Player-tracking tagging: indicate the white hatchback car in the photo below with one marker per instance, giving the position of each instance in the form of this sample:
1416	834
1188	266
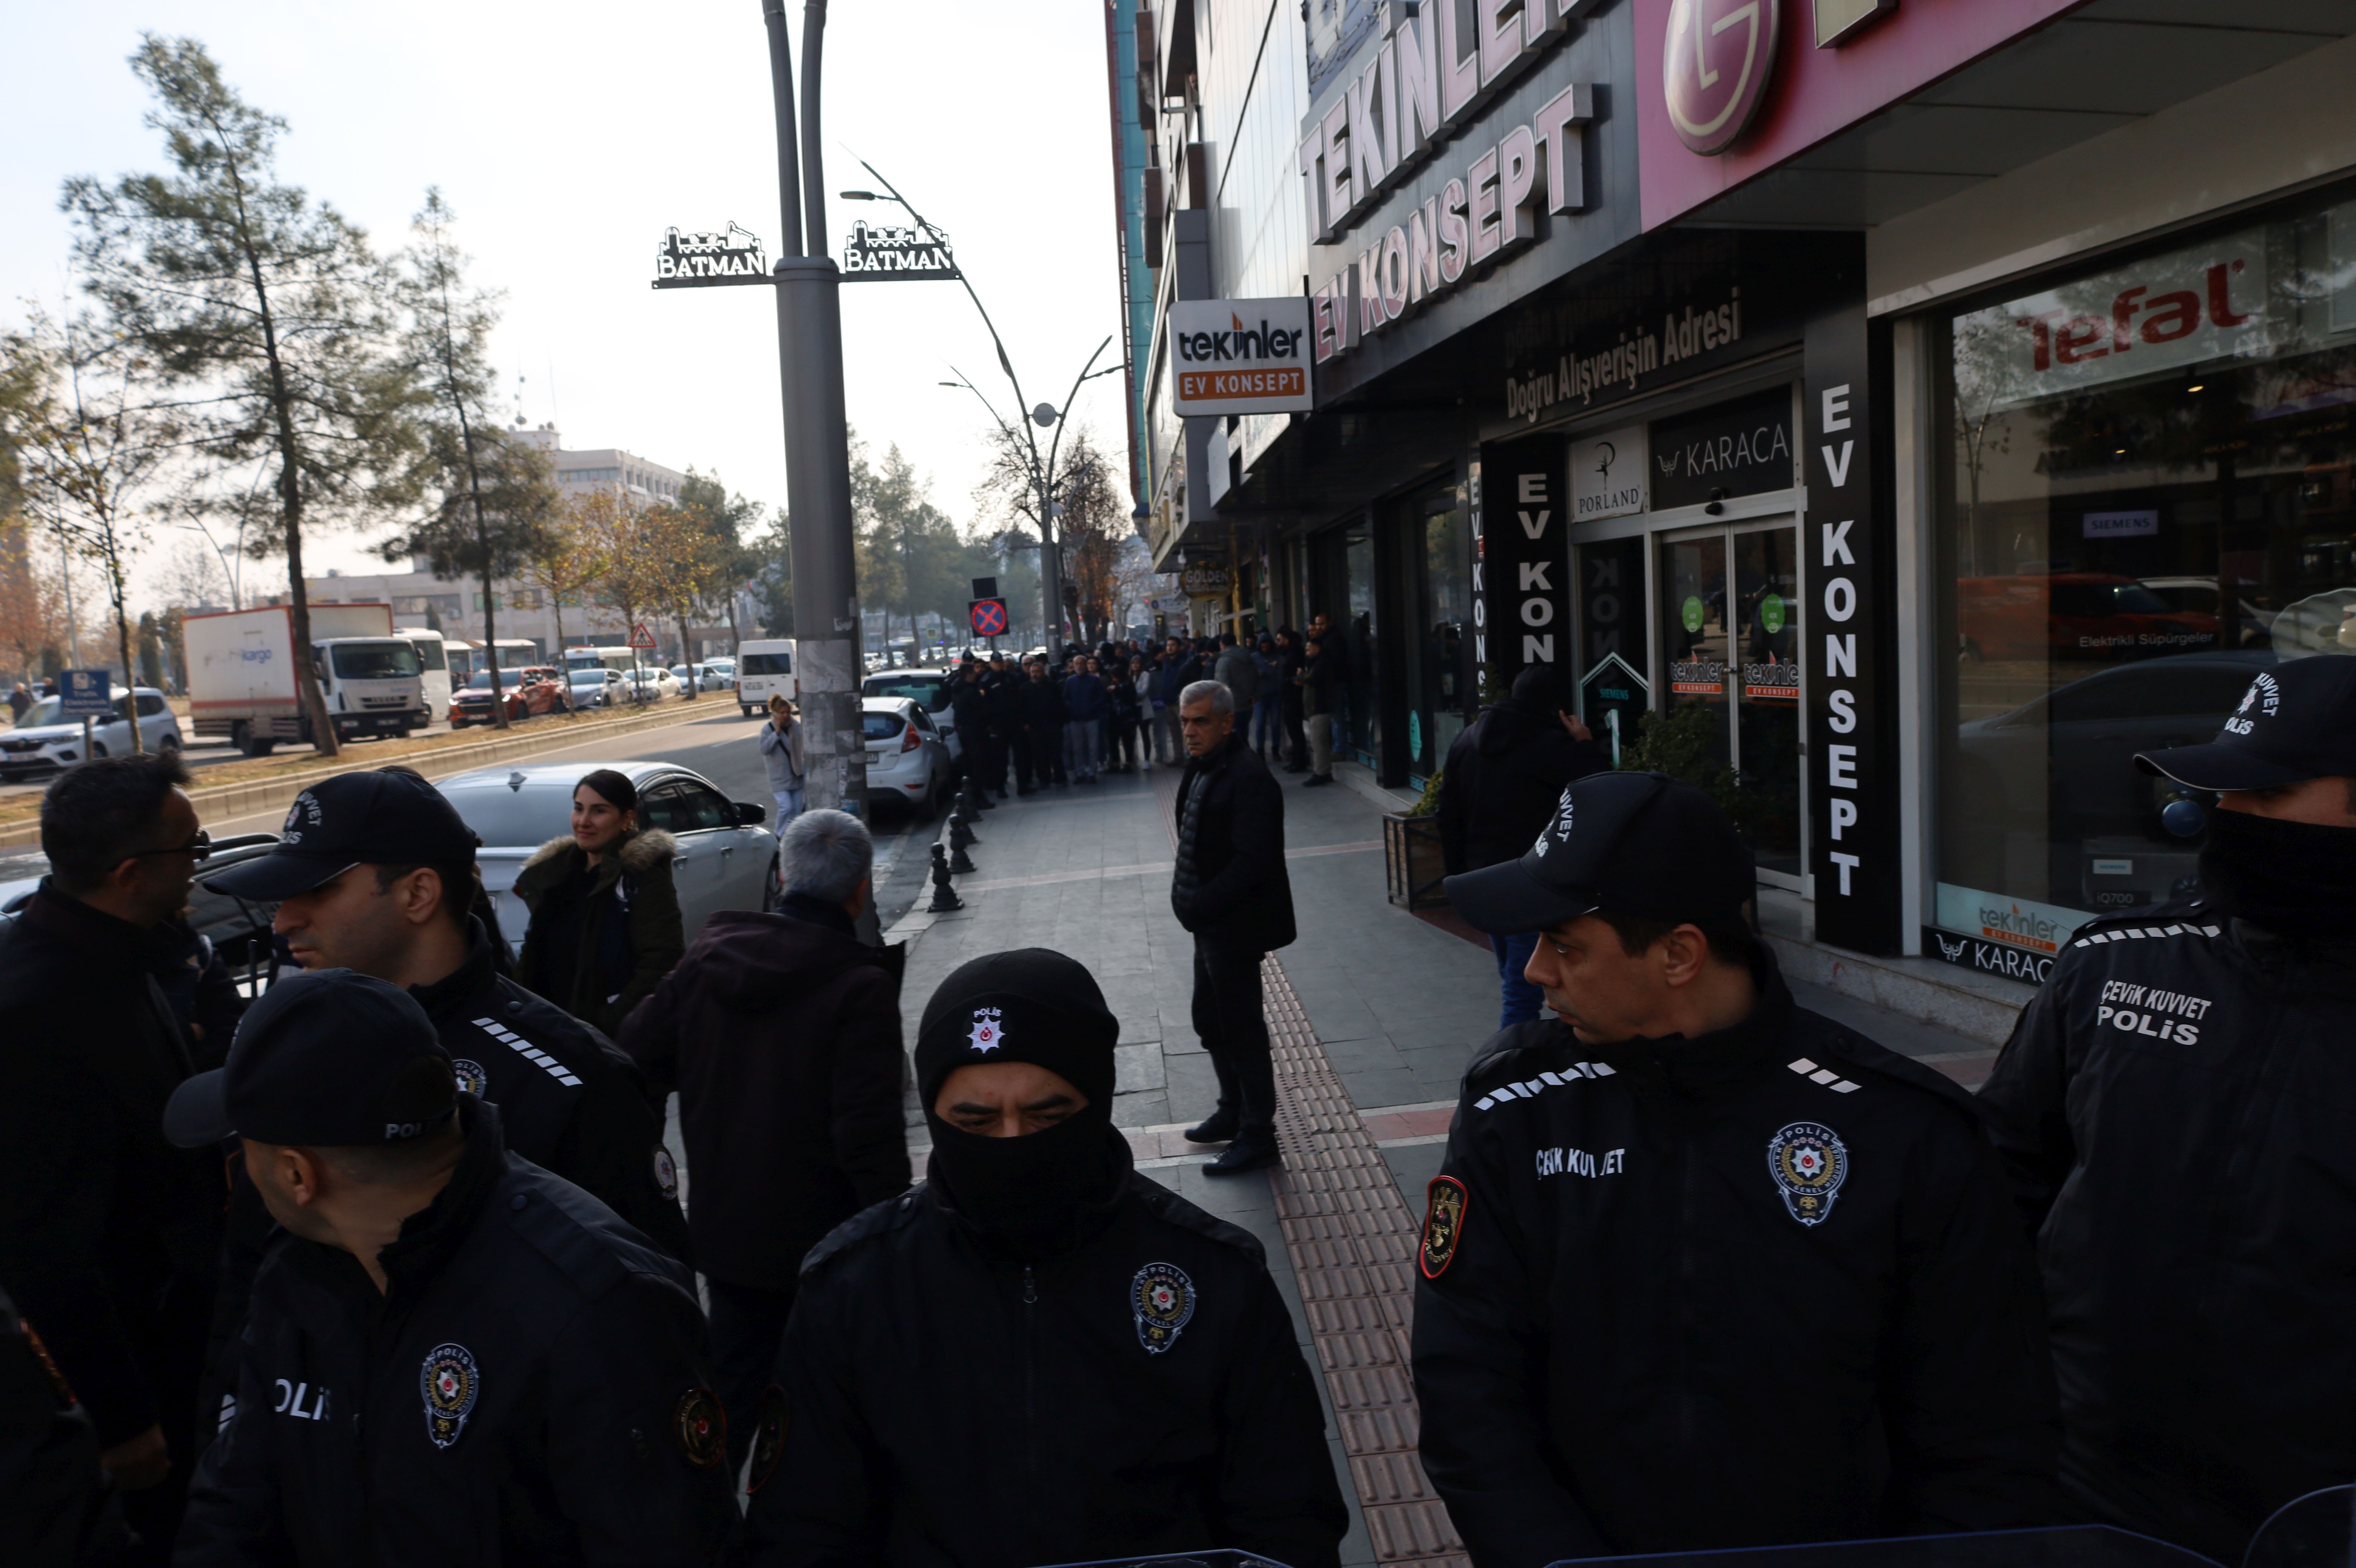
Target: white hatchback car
42	742
908	758
727	858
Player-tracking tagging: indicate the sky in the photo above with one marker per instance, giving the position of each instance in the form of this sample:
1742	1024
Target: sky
568	138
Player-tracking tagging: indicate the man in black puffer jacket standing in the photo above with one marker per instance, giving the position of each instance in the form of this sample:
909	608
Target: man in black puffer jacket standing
1229	889
1497	793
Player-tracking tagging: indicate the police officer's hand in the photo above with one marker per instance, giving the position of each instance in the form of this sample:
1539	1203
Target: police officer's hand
142	1462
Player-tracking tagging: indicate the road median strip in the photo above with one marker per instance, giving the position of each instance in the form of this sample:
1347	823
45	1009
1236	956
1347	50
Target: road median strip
231	800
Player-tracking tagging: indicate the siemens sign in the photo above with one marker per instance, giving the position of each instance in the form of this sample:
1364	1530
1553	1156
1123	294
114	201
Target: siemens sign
1239	356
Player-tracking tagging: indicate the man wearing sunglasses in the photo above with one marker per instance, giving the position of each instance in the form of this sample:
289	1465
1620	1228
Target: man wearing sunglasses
108	1236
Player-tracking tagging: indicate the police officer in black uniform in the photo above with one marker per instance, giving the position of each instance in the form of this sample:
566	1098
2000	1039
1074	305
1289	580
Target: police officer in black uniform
375	873
1040	1355
451	1355
970	706
2177	1110
1703	1269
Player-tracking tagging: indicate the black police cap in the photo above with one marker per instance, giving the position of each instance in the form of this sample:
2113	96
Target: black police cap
2297	721
389	817
1621	843
326	1059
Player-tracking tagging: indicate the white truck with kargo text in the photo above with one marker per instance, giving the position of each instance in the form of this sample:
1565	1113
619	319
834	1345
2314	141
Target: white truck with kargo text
242	685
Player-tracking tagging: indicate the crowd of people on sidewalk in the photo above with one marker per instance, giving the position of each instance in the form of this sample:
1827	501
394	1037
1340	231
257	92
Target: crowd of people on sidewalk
393	1261
1069	720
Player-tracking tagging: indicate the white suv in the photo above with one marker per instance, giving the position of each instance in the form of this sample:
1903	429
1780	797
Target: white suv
43	742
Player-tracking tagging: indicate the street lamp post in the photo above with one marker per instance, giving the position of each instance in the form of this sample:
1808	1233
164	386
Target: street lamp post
818	443
1046	416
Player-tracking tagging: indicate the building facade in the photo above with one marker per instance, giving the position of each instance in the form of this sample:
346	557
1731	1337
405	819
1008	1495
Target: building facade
1916	408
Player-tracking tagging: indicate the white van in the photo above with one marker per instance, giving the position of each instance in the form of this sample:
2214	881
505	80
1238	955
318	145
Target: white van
433	658
765	670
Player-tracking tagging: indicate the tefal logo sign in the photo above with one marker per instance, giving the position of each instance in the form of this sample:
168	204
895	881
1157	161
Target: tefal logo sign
2191	306
1714	66
1239	356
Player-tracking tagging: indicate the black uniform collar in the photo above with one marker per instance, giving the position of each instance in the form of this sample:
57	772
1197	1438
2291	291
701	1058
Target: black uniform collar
429	1236
451	991
1710	1065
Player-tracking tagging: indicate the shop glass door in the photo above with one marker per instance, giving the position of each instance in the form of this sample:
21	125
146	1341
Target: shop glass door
1767	692
1729	618
1445	693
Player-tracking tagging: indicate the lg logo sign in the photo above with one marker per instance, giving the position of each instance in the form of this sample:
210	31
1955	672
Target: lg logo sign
1714	68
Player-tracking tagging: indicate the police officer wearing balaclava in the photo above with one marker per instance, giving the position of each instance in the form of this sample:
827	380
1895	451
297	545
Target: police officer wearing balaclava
2177	1110
1040	1355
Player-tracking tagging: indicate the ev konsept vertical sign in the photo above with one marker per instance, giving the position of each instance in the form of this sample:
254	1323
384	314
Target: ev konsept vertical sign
1522	575
1849	552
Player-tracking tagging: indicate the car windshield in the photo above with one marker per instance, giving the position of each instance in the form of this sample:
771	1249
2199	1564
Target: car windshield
376	661
513	819
919	686
767	663
883	726
45	711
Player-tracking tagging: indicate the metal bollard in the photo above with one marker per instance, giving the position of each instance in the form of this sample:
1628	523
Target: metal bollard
959	859
944	898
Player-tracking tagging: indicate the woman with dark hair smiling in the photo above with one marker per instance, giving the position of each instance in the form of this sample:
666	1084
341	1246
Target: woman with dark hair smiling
605	917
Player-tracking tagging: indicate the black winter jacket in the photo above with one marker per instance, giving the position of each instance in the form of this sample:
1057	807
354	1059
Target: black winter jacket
1501	781
1755	1289
968	702
1230	886
525	1392
1043	703
781	1033
108	1236
569	1102
2177	1111
947	1407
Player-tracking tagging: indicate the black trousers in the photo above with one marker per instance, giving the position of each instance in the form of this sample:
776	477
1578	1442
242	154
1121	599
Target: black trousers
1047	752
1234	1031
1027	774
747	1325
1297	739
973	753
994	775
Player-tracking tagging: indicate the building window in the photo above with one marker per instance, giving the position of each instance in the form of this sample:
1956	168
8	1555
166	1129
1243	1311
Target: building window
2144	502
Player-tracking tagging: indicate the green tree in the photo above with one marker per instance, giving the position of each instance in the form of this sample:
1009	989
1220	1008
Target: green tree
773	575
497	499
565	565
268	310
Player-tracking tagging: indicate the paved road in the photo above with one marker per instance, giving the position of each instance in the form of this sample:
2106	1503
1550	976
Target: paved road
202	755
719	744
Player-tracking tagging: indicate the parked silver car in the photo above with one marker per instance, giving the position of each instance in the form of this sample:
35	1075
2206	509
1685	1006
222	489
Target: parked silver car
43	742
727	858
909	756
704	676
598	687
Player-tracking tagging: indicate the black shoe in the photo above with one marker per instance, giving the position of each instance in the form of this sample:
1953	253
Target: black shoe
1314	779
1254	1149
1216	1128
1026	789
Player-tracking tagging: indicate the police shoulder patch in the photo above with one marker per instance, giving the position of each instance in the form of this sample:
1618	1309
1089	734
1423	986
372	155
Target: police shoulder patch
472	1079
666	1172
1809	1162
451	1383
703	1428
769	1437
1162	1298
1446	1203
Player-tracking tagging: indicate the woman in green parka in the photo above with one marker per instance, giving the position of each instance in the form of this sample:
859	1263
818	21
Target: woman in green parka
605	917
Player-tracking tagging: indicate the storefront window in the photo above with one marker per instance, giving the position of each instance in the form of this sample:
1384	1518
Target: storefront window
1358	721
2145	501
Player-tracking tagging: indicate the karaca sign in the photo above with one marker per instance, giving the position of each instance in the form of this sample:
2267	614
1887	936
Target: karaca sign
1429	79
1239	356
